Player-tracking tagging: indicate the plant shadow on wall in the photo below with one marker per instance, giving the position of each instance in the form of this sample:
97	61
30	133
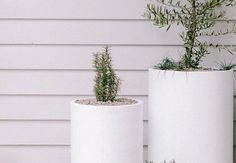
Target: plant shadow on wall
198	19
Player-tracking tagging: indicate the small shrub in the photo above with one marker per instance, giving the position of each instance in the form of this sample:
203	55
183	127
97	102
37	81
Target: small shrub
166	64
226	66
106	81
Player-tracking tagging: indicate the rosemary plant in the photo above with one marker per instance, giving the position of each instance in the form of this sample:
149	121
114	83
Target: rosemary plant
198	17
106	81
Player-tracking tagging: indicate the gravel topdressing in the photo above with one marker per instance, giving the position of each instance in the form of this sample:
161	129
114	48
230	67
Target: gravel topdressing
117	102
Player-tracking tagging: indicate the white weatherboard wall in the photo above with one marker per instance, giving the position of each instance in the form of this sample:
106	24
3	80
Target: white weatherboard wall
45	62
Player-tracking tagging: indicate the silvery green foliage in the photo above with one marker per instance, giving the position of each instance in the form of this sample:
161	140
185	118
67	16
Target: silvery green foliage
198	17
166	64
106	81
226	65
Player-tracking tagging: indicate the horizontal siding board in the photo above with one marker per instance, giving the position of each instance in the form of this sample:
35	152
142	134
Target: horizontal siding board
49	107
34	154
81	57
44	107
94	32
76	9
34	133
84	32
28	141
39	133
35	107
44	154
39	154
66	82
44	133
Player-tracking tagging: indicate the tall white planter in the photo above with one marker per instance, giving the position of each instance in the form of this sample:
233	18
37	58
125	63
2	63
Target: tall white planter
191	116
106	134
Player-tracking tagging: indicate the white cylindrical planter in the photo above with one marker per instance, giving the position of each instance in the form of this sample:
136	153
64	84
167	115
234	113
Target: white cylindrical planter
191	116
106	134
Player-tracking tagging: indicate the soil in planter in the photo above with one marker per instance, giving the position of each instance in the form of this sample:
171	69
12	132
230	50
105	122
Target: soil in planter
117	102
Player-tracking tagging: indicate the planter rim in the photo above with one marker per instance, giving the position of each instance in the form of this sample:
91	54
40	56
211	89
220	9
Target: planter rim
99	107
190	72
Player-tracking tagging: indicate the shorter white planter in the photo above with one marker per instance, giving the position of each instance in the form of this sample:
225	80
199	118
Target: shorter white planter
106	134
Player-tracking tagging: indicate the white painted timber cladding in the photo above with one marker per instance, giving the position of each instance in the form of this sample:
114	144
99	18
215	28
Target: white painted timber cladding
46	51
74	9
